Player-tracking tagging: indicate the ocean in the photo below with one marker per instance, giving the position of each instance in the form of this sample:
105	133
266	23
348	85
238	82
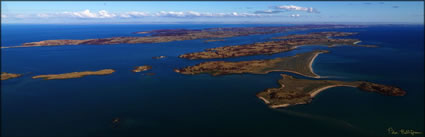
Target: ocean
172	104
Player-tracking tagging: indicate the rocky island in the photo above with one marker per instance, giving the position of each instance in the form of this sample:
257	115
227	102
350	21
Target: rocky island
168	35
6	76
271	47
74	74
142	68
299	64
295	91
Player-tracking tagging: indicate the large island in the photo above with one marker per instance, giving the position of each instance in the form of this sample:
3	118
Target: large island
295	91
299	64
168	35
288	43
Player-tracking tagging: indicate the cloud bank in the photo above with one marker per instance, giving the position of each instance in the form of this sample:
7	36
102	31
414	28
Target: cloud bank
297	8
103	14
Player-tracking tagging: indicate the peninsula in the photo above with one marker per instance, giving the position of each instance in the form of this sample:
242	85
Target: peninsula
6	76
168	35
74	74
142	68
271	47
300	64
295	91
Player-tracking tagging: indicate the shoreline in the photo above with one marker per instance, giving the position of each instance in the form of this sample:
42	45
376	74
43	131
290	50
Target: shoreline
314	93
355	43
311	64
310	67
265	100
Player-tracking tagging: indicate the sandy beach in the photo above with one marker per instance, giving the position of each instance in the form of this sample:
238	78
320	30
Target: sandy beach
314	93
357	42
311	64
265	101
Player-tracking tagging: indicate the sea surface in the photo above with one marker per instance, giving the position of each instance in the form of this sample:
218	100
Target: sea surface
172	104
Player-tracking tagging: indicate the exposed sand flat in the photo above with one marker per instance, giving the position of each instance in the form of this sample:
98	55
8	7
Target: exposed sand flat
314	93
74	74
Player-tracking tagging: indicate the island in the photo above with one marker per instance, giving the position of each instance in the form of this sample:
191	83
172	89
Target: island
289	43
300	64
142	68
74	74
295	91
6	76
168	35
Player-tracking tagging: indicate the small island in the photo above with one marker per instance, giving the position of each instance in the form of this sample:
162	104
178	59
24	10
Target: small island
6	76
142	68
288	43
74	74
169	35
300	64
295	91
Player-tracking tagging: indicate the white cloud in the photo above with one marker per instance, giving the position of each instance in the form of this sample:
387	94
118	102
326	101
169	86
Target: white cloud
133	14
297	8
103	14
87	14
207	14
267	11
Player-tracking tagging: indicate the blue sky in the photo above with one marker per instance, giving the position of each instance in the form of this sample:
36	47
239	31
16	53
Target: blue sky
215	12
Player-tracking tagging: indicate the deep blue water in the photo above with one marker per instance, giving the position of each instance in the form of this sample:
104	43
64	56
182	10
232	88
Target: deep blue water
171	104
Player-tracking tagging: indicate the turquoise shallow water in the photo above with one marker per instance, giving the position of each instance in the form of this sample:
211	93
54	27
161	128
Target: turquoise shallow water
170	104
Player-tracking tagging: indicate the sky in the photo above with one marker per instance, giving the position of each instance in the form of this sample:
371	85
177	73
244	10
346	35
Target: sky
114	12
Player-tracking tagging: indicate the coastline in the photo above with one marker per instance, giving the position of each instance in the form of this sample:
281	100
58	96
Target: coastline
314	93
310	67
311	64
355	43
